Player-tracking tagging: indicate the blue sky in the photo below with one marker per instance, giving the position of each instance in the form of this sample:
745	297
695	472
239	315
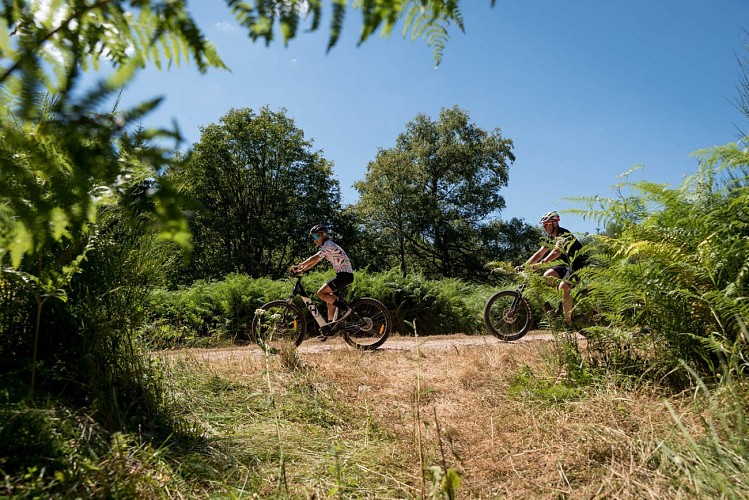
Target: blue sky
586	89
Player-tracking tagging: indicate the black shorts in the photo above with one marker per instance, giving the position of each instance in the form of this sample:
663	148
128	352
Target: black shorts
563	271
340	282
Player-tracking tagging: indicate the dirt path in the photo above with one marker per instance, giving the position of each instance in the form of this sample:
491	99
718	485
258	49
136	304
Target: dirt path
434	342
395	343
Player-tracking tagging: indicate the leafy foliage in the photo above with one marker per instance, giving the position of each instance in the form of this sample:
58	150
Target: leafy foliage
207	310
678	270
261	188
428	19
428	197
211	312
447	305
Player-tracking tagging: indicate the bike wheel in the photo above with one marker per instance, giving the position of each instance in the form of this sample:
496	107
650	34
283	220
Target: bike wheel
507	315
368	325
277	325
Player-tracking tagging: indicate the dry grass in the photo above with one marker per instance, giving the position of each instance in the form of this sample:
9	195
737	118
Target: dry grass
475	417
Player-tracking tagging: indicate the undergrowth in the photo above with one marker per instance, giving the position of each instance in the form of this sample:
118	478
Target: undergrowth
221	312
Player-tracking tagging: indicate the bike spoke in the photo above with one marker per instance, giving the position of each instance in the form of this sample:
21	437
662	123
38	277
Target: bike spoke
368	325
277	326
507	315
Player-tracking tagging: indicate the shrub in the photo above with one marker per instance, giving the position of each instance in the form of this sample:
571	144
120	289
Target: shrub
674	267
438	306
210	312
207	309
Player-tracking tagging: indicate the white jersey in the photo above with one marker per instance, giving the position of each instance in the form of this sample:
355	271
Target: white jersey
336	256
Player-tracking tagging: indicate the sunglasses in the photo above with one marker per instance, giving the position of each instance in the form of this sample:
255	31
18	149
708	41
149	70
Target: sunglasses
316	236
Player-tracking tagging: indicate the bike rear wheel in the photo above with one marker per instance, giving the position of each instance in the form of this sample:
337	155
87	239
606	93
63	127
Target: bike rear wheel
507	315
368	325
277	325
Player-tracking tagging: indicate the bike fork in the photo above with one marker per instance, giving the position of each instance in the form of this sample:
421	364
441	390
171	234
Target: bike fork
518	297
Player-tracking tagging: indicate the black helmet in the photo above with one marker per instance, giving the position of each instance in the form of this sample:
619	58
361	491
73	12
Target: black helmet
318	228
550	216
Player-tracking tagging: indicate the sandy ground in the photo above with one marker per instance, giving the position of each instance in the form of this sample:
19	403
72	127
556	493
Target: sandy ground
394	343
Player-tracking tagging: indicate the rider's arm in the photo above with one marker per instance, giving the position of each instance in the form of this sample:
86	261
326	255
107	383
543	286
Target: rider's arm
553	255
542	256
556	252
537	257
308	264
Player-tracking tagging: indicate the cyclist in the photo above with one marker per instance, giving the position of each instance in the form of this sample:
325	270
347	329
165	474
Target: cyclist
329	292
562	249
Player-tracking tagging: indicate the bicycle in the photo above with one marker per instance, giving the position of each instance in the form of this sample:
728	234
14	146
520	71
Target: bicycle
281	322
508	314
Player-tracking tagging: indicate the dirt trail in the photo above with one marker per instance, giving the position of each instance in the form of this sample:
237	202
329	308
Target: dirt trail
395	343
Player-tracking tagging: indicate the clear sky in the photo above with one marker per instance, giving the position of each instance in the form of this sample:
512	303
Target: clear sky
586	89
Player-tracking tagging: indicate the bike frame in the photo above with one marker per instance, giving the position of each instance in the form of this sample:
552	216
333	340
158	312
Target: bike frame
307	300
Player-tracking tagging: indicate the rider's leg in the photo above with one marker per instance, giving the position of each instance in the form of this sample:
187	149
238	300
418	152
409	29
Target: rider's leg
330	293
560	274
328	296
554	279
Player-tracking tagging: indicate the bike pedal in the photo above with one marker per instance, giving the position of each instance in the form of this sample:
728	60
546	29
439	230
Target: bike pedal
326	332
551	311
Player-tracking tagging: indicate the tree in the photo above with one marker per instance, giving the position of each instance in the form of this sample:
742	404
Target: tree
46	45
429	196
388	200
510	241
261	188
64	150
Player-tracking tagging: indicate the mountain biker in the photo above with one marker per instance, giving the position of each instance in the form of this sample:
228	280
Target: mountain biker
328	293
561	248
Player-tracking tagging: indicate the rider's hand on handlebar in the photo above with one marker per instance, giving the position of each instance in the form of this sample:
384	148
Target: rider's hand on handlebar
295	270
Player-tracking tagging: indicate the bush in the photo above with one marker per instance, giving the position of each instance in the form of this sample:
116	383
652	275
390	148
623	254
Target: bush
222	311
674	265
437	307
207	310
53	452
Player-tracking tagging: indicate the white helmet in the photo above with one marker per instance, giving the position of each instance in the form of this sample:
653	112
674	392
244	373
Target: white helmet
550	216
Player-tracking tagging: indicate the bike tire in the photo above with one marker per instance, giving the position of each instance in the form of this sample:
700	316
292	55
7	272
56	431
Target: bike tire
369	324
507	315
277	325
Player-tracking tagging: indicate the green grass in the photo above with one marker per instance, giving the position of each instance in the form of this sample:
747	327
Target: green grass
299	426
284	426
233	450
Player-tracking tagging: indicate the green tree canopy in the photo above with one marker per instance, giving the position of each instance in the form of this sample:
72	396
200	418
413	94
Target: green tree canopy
261	188
45	45
510	241
429	196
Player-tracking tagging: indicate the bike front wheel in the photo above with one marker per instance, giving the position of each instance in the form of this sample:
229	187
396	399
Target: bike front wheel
277	325
368	325
507	315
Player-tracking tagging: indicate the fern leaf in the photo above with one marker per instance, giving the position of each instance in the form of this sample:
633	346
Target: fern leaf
336	24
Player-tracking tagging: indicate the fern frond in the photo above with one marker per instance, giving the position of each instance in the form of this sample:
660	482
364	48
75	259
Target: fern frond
432	21
336	25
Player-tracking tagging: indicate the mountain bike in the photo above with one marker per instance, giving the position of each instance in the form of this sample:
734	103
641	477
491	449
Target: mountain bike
282	323
508	314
